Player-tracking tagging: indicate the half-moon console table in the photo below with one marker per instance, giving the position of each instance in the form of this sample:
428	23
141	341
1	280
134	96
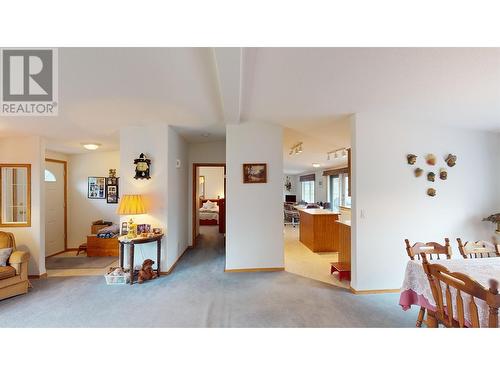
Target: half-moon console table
136	241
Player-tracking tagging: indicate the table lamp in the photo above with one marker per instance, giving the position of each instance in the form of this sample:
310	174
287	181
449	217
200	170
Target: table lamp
131	205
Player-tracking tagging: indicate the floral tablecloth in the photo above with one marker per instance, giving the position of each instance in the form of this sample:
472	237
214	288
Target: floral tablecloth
417	291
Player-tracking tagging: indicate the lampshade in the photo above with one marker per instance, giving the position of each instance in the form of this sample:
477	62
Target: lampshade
131	205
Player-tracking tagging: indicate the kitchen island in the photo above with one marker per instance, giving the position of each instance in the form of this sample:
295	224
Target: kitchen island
317	228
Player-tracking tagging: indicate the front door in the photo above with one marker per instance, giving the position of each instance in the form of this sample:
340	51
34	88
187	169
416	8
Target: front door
54	212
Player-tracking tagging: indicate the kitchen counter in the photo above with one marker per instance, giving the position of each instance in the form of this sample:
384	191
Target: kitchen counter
344	221
317	211
317	228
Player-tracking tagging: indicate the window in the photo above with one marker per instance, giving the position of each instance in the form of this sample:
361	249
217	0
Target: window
49	176
339	193
307	191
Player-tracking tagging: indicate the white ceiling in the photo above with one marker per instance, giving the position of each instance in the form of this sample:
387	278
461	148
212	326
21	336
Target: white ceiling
318	138
200	89
104	89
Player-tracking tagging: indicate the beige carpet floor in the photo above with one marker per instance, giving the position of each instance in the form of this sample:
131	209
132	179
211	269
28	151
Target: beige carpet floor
200	294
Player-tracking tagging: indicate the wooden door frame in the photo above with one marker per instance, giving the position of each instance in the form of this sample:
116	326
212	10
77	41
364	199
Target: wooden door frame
194	200
65	165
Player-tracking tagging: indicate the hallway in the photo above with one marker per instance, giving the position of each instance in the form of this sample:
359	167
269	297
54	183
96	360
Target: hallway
198	293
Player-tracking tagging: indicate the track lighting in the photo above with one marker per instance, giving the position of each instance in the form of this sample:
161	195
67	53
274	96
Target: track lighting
339	153
296	149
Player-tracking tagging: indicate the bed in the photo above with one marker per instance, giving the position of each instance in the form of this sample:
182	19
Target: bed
209	212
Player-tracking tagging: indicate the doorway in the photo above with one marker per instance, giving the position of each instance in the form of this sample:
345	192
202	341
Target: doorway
56	238
209	198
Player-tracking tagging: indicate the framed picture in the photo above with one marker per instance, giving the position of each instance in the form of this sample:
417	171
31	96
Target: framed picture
202	186
124	228
96	188
112	189
143	228
255	173
112	193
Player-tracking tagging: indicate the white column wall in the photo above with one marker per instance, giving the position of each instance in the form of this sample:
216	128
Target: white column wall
254	211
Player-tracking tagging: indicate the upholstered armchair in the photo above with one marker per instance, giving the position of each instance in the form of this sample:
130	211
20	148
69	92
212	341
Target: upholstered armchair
14	276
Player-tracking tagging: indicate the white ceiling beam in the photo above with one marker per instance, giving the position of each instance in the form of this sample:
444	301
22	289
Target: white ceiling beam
228	63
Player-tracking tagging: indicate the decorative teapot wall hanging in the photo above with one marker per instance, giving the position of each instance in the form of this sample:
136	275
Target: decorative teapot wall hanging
142	167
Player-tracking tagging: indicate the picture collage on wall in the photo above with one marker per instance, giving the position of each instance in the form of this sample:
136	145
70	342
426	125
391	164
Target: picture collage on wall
104	187
431	160
96	188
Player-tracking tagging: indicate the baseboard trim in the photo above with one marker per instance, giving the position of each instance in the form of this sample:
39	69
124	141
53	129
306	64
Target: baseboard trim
34	277
374	291
60	252
177	261
275	269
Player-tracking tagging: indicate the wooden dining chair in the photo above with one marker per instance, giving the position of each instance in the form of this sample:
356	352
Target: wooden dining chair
468	291
478	249
431	248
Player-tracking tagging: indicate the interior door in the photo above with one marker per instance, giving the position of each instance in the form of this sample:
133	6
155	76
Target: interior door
54	211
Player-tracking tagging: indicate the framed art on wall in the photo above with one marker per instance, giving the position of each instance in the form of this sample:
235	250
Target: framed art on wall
96	188
255	173
112	193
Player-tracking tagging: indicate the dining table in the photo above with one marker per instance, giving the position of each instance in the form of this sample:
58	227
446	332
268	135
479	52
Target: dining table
416	289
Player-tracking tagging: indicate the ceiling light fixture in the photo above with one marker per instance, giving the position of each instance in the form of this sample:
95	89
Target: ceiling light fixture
296	149
339	153
91	146
316	165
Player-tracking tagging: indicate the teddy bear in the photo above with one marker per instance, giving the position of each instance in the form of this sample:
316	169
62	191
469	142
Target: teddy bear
146	272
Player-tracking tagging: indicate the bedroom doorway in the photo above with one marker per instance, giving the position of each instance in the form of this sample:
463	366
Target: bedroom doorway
209	199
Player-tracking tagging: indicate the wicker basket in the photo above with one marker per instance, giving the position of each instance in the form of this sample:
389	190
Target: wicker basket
117	280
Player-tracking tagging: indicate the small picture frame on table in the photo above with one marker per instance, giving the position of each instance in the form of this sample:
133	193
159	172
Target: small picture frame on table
143	228
124	228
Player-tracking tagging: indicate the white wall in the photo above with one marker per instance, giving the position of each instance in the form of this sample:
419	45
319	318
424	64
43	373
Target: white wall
214	181
254	237
49	154
82	211
209	152
497	188
152	141
394	203
29	150
165	194
177	201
